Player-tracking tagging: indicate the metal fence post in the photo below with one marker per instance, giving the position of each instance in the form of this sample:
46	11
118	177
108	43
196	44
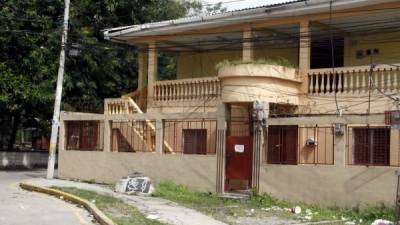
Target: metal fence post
397	220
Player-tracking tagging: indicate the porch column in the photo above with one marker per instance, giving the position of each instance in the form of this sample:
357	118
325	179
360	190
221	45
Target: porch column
221	142
142	70
151	71
261	110
248	48
304	54
107	135
159	136
61	142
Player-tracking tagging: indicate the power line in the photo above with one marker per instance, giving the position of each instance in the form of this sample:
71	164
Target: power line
369	11
231	42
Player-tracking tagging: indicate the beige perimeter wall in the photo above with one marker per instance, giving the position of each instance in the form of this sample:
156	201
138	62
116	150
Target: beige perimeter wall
330	185
198	172
340	184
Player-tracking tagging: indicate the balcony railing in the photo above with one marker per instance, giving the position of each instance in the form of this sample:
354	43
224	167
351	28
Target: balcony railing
187	89
118	106
130	103
350	80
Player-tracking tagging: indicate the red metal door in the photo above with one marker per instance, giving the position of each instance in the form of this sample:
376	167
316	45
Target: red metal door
239	158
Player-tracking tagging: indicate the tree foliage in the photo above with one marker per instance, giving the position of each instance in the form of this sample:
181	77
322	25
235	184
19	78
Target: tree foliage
29	53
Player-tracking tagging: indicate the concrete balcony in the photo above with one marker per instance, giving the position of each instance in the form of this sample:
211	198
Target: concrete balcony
250	82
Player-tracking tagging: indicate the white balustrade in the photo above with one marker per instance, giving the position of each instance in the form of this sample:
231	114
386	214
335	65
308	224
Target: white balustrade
187	89
117	106
345	80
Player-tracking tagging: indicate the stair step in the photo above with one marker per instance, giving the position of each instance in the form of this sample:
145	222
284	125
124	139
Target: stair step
235	195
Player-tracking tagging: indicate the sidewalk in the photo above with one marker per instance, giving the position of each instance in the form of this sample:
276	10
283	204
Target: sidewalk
167	211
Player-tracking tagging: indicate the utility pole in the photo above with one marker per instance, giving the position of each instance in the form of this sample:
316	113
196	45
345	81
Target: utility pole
57	103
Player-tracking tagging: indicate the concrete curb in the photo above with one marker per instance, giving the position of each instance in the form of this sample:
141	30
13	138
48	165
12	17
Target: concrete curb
99	215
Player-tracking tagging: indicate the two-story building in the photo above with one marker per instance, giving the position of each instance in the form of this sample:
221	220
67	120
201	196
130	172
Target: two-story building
296	99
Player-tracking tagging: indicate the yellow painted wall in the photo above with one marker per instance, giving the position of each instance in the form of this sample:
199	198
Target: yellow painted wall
191	64
289	52
387	43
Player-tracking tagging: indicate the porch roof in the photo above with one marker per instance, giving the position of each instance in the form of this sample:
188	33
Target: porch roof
266	12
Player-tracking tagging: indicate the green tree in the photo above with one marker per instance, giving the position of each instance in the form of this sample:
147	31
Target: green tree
104	69
28	53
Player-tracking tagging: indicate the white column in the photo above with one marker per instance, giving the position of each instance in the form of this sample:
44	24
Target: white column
151	71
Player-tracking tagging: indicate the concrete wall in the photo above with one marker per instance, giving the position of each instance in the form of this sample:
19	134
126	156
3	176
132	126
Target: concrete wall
337	185
386	43
340	184
350	103
23	159
334	185
196	171
187	106
192	64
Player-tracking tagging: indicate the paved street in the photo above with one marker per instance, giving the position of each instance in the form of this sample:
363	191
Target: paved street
19	207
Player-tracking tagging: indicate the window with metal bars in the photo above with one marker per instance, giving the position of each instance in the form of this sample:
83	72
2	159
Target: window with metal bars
371	146
195	141
282	145
83	135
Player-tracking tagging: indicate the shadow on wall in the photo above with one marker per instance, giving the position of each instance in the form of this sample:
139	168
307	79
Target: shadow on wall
23	160
366	176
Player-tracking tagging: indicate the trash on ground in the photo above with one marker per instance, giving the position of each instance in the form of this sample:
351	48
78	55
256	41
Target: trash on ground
308	217
152	217
296	210
135	184
276	208
382	222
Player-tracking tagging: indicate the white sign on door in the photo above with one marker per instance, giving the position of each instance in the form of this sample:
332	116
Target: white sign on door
239	148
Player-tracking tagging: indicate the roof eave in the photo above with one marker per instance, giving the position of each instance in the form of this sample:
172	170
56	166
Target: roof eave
228	18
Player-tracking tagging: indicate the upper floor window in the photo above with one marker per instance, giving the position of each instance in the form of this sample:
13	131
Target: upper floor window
321	53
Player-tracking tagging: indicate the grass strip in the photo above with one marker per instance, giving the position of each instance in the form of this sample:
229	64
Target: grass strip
262	206
116	209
